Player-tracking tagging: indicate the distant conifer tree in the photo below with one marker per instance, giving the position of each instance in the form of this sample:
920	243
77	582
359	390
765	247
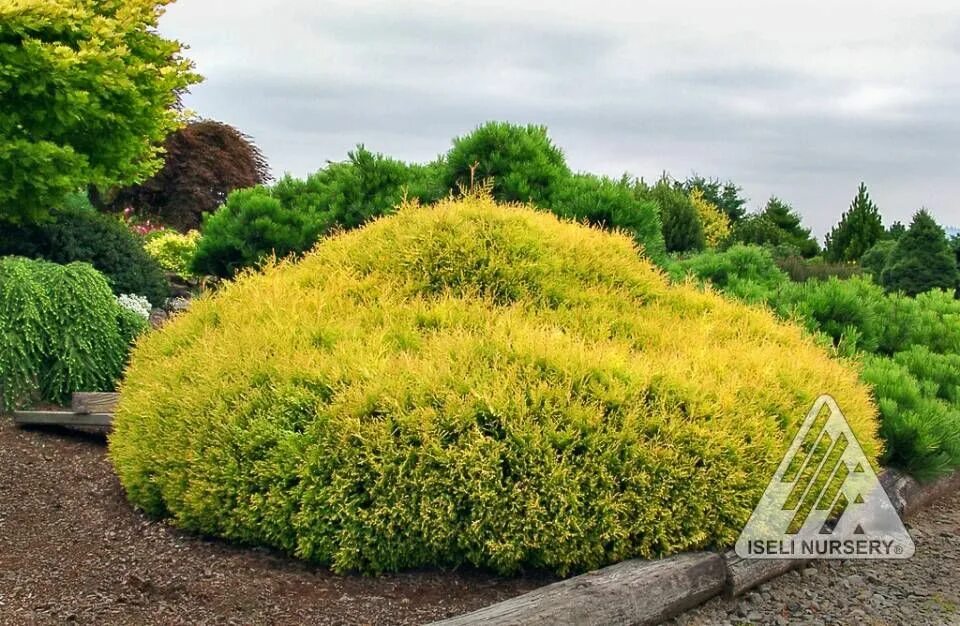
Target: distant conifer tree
859	229
922	260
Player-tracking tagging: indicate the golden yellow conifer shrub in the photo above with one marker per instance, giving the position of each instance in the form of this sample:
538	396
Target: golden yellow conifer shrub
716	225
472	383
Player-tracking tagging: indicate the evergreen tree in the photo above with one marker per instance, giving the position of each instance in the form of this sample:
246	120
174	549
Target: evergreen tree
787	220
896	230
682	228
922	260
723	195
859	229
778	225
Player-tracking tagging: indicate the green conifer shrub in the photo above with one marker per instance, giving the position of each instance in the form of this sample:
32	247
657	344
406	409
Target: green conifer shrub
909	347
61	330
289	217
921	428
748	272
612	205
522	162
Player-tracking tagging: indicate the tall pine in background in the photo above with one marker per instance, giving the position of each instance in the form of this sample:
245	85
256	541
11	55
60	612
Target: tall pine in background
922	260
859	229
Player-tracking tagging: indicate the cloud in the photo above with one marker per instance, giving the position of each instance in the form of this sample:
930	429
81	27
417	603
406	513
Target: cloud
802	102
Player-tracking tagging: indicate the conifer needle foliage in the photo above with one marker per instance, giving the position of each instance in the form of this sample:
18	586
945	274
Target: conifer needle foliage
469	382
61	330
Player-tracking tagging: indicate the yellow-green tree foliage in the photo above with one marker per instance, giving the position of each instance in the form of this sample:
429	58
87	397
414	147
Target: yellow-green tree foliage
173	251
88	92
716	225
469	383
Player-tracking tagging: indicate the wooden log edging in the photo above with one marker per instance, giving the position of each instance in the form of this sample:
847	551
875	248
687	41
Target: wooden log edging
86	409
908	496
61	418
631	592
649	592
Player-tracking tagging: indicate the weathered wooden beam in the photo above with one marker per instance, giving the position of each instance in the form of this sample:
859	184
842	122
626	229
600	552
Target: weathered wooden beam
745	574
94	402
632	592
909	496
62	418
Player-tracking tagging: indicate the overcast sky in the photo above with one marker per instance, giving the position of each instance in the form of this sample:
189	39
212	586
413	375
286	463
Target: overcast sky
795	101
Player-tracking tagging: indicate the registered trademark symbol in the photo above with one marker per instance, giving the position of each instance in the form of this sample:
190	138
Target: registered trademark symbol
898	549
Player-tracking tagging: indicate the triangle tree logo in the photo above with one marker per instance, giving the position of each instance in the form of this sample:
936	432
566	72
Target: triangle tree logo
825	501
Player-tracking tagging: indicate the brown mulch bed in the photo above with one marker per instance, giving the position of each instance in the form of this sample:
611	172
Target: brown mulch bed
73	550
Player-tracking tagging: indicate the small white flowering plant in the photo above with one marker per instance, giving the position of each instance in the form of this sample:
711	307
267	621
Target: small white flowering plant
133	302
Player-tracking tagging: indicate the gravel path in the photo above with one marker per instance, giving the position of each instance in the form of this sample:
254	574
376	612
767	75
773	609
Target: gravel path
922	590
73	551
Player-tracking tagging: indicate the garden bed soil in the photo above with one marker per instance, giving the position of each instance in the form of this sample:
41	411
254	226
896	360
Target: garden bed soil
73	550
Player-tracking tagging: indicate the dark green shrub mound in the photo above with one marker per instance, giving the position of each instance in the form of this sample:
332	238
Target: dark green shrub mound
523	163
288	217
469	383
61	330
252	225
612	205
101	240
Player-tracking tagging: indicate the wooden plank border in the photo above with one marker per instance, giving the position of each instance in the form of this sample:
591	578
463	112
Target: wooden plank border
61	418
94	402
632	592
